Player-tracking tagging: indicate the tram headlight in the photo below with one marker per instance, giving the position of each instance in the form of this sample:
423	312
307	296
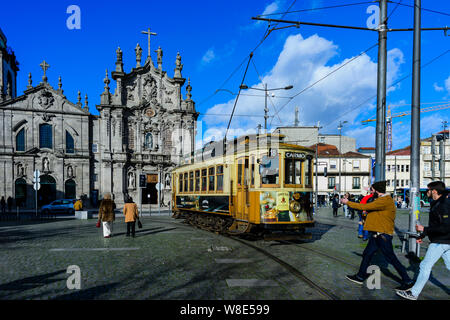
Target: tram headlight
294	207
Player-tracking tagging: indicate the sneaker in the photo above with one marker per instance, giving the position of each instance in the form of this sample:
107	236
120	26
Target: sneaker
405	286
355	279
406	294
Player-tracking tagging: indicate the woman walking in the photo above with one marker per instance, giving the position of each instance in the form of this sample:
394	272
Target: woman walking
131	213
106	215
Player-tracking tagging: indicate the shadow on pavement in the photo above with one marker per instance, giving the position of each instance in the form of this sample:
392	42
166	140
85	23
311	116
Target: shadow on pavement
30	282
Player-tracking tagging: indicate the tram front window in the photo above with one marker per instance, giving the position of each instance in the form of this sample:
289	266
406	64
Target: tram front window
268	169
293	171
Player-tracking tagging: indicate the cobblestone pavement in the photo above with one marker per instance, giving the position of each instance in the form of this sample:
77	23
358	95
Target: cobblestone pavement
171	260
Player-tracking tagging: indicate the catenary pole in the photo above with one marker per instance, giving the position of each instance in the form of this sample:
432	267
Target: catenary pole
380	140
415	130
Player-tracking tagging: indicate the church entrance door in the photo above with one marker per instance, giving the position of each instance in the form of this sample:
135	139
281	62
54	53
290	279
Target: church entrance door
47	192
152	180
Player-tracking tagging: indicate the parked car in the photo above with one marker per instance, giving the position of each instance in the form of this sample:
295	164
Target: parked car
59	206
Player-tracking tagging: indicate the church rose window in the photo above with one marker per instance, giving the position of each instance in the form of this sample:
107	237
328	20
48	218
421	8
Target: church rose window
70	145
45	136
20	140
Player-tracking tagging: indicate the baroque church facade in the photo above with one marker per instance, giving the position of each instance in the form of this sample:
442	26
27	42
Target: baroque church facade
143	130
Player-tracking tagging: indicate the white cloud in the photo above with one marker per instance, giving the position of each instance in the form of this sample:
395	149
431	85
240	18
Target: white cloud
302	62
447	84
437	87
208	56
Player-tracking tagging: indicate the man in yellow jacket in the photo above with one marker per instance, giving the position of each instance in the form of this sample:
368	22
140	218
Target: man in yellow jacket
380	224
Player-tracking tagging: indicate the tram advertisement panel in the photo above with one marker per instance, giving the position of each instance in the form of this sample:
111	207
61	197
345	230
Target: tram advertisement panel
204	203
283	206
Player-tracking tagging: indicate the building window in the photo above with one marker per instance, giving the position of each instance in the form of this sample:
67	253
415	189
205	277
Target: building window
403	168
45	136
70	144
332	164
388	183
20	140
148	144
388	167
356	183
219	173
94	147
356	164
407	168
331	182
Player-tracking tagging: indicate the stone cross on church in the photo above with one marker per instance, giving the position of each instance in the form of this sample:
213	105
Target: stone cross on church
149	35
44	65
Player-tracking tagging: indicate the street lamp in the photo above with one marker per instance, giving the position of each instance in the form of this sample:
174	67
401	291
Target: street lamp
340	152
266	110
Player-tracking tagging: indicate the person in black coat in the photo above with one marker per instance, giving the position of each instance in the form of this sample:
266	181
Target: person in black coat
438	231
335	204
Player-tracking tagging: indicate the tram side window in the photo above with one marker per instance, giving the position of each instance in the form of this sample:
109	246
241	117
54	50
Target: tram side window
204	179
219	173
252	172
181	183
308	172
191	181
186	182
293	171
269	169
197	180
211	179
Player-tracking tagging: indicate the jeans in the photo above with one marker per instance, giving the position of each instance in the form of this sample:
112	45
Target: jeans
383	242
434	253
361	232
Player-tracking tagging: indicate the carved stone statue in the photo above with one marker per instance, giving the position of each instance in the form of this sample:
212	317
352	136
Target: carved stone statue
46	164
138	51
20	171
130	180
178	66
69	171
159	57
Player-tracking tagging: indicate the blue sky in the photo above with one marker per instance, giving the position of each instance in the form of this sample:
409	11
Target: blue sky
215	38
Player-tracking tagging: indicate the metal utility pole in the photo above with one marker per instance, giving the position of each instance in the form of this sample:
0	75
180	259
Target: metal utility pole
414	195
340	154
433	157
444	136
395	177
266	110
380	142
317	170
441	158
296	117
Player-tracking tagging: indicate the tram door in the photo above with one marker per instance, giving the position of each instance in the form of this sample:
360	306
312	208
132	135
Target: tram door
242	189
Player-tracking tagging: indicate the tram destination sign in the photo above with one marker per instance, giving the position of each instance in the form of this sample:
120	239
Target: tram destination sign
295	155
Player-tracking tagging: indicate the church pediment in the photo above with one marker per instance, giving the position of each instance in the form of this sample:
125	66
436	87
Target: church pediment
44	98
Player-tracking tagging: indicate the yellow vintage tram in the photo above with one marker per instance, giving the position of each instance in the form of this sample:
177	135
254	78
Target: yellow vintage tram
260	185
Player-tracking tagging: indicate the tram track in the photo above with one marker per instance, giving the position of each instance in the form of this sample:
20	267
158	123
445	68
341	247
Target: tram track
288	267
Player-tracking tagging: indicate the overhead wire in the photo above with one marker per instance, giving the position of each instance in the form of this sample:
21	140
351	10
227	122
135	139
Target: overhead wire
339	116
329	74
